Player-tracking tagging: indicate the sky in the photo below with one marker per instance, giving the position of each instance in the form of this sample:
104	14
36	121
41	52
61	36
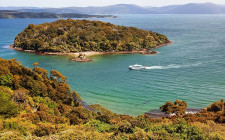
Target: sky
84	3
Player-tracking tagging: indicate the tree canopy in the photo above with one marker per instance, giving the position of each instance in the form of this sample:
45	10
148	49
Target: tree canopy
178	107
84	35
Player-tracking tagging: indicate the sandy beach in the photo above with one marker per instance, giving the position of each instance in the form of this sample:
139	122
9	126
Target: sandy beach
93	53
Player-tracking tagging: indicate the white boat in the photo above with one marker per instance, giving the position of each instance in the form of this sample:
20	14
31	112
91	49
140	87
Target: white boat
136	67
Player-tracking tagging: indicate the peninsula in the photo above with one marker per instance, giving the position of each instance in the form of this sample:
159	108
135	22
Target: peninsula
17	14
72	37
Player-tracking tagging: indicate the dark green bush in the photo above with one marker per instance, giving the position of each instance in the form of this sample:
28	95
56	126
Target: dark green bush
103	118
44	129
7	106
184	131
100	126
125	127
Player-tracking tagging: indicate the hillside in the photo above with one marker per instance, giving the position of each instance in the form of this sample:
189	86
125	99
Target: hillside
16	14
111	9
193	8
38	105
84	35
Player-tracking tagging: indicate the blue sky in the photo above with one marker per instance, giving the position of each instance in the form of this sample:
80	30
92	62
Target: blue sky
84	3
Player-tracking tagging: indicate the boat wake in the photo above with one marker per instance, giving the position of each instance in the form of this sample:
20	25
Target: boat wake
6	46
172	66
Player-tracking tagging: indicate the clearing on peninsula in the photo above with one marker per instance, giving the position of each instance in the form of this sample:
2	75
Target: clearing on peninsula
68	36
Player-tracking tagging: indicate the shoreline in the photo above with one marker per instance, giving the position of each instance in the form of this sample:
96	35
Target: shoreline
93	53
157	113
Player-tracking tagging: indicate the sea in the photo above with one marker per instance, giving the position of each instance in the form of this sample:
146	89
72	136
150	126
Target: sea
190	69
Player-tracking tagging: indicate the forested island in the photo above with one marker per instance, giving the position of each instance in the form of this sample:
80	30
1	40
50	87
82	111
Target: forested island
70	36
37	104
18	14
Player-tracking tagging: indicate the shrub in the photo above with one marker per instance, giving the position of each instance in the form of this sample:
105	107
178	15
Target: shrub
11	125
125	127
74	120
184	131
44	129
178	107
45	104
103	118
33	117
5	80
7	106
45	117
100	126
142	121
42	107
20	95
217	106
82	133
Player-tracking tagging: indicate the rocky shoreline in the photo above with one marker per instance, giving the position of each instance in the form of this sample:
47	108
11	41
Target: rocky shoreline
92	53
157	113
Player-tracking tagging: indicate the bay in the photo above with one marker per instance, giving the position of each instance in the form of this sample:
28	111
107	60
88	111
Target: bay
190	69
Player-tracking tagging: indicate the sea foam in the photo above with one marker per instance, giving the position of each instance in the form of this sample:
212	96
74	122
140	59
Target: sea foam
172	66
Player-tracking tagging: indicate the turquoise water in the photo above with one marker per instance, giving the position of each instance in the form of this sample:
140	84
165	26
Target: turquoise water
190	69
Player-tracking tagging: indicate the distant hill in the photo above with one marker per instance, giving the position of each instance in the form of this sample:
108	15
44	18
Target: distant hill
117	9
163	9
192	8
16	14
112	9
17	8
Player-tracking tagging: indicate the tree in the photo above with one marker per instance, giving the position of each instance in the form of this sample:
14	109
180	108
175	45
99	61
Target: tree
217	106
35	64
57	76
178	107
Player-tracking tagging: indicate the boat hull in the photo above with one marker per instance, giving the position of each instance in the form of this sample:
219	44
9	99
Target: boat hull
137	68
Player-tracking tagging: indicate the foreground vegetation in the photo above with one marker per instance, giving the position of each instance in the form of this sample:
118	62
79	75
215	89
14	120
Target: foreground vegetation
38	105
84	35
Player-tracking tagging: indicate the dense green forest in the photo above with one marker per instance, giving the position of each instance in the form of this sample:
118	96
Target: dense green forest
37	104
84	35
16	14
